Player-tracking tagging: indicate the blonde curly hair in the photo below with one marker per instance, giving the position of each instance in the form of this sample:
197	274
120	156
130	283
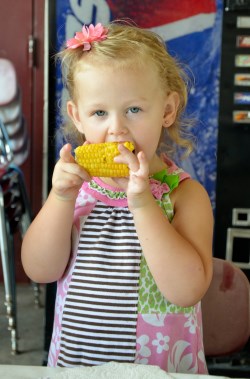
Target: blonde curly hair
128	45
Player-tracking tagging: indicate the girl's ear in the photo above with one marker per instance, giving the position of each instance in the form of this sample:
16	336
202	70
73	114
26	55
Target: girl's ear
73	113
171	108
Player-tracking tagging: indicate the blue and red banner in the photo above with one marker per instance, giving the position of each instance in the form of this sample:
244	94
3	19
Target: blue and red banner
192	31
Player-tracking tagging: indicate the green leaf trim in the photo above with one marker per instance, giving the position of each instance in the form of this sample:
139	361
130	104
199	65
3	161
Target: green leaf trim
172	180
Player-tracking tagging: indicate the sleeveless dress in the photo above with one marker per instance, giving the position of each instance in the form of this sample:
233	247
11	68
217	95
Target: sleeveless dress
108	307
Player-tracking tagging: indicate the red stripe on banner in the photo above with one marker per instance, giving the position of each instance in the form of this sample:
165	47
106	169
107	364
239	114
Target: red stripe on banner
148	13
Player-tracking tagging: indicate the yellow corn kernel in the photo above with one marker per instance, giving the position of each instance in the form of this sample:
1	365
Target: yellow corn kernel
98	159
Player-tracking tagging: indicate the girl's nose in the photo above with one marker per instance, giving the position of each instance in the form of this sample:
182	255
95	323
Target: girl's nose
117	125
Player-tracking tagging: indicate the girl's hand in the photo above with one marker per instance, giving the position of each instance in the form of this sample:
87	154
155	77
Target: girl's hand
68	176
137	184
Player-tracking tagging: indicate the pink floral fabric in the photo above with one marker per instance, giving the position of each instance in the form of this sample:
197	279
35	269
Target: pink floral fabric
172	342
158	189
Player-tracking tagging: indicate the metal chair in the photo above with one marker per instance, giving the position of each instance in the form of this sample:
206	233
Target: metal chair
11	112
15	211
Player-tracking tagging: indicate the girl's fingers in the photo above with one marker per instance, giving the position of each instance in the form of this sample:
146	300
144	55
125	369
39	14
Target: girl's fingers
138	164
128	157
68	181
144	169
65	153
68	164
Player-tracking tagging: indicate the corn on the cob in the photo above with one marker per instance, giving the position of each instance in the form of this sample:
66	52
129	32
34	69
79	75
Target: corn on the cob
98	159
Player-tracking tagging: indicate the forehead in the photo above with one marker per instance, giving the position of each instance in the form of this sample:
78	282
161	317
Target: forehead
91	70
118	70
116	82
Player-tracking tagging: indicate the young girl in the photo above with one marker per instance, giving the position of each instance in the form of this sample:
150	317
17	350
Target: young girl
133	255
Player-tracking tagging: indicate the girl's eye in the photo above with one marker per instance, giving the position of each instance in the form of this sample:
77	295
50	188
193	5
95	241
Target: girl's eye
100	113
134	109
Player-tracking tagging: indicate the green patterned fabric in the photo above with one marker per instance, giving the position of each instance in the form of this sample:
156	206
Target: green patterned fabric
151	299
109	193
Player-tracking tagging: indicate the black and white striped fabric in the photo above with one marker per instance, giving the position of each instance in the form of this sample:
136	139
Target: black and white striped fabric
100	313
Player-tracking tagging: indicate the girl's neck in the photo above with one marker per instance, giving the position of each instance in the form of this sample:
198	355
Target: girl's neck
156	165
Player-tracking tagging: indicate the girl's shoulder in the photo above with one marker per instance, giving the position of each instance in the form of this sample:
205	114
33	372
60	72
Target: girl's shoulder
173	169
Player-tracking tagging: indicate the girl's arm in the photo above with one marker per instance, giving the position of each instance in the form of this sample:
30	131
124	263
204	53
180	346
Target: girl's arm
47	243
179	254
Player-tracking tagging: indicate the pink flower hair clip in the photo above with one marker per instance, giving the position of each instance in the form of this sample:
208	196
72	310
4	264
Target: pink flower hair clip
88	35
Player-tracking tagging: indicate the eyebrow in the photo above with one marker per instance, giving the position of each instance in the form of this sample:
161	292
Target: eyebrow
96	105
126	103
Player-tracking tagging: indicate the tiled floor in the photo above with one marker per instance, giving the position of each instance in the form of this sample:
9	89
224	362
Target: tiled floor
30	326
